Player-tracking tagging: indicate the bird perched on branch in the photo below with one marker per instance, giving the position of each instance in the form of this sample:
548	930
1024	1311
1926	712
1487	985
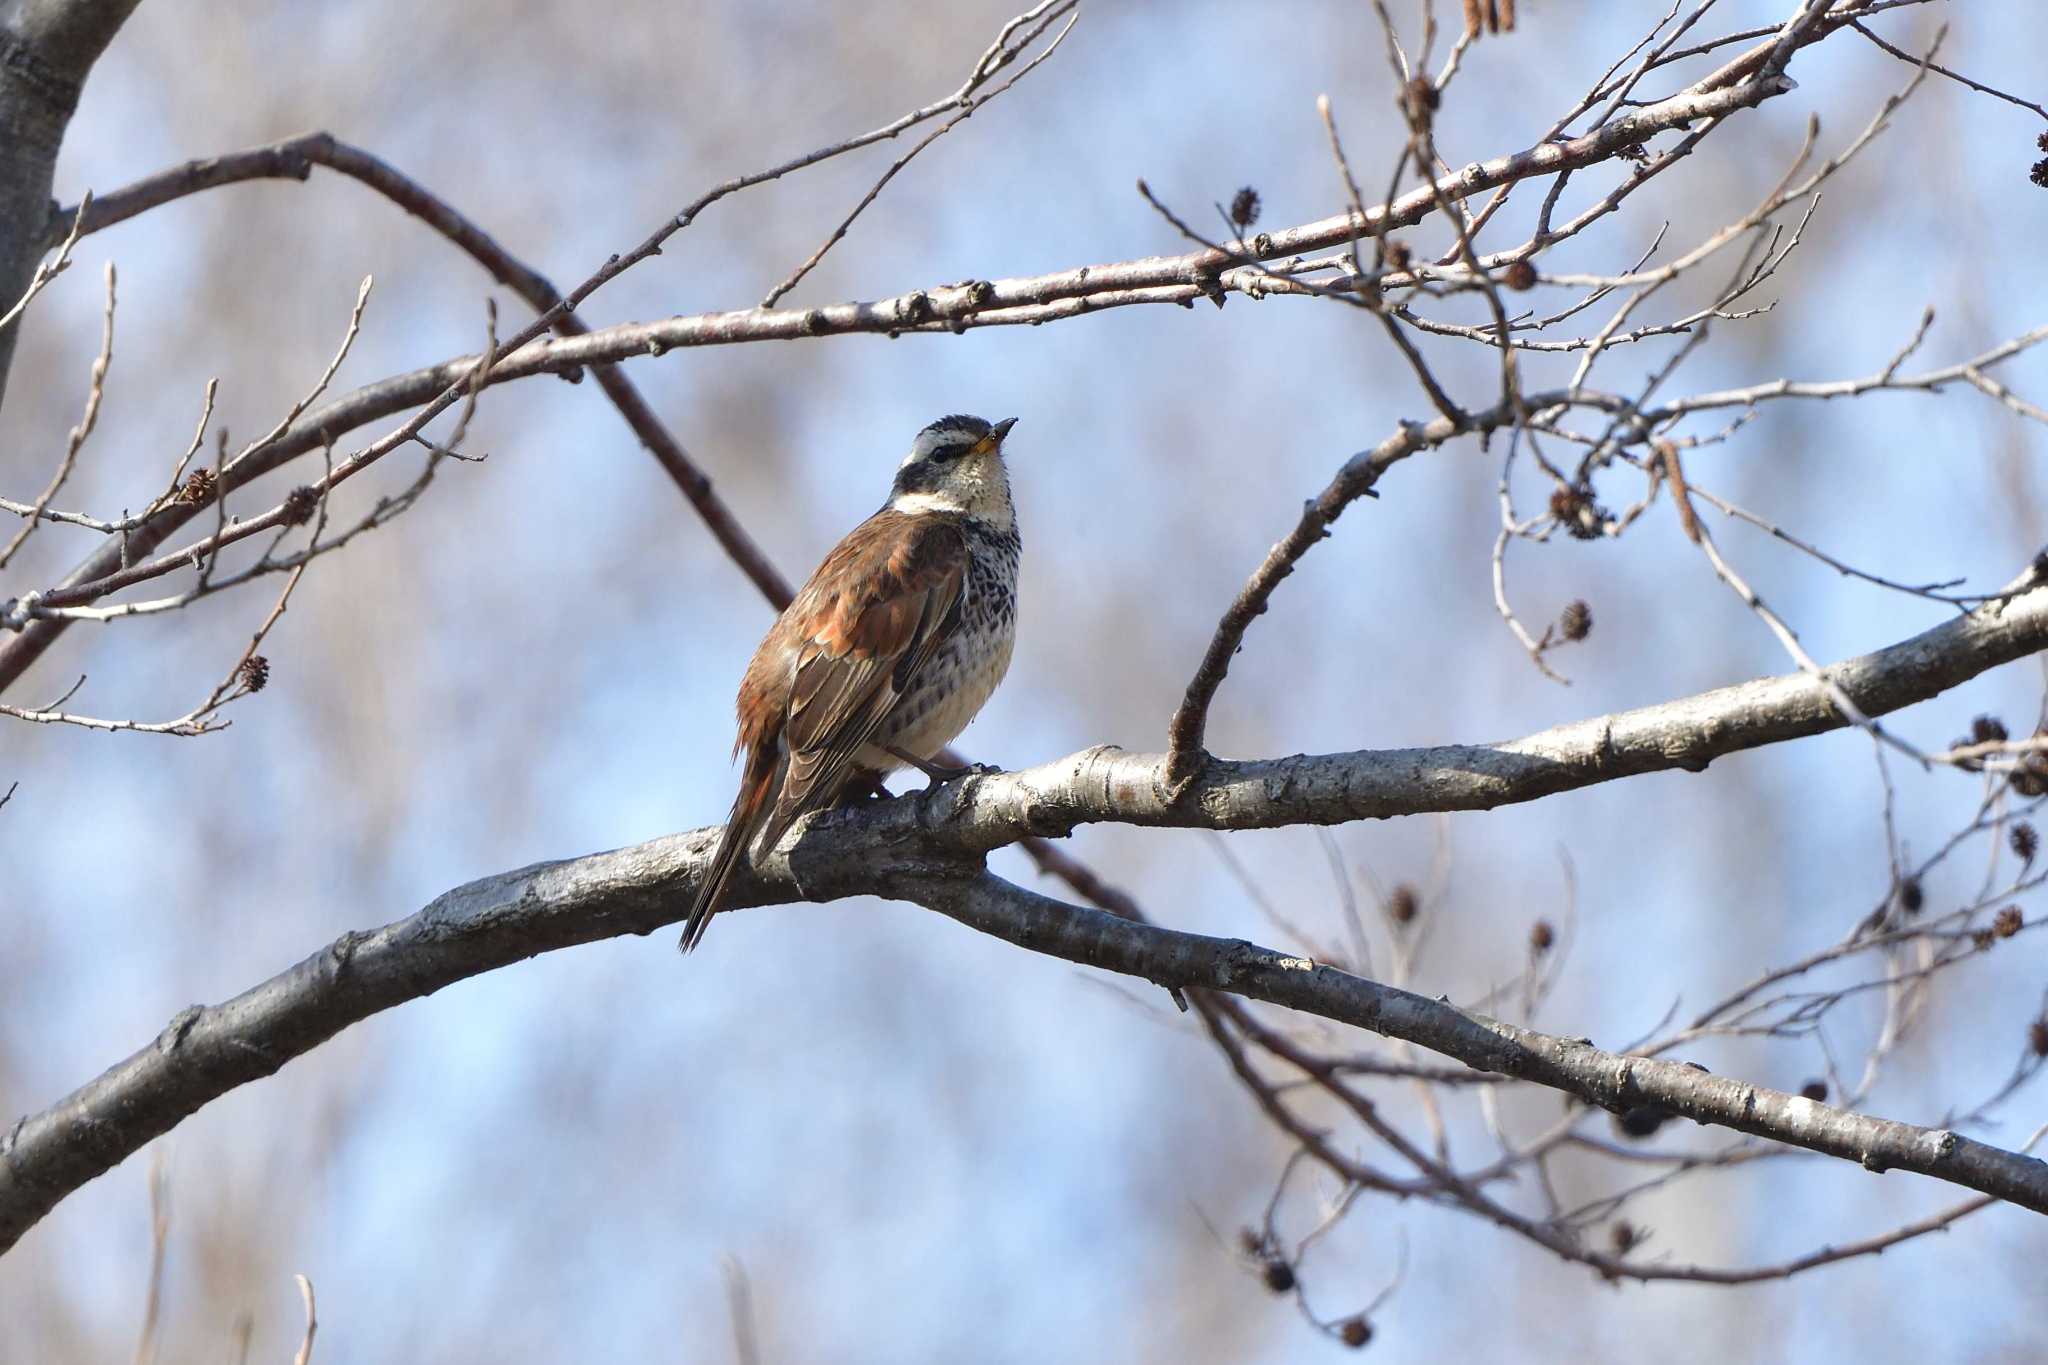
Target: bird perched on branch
885	655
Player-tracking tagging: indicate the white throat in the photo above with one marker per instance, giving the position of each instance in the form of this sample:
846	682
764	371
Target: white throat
983	494
914	503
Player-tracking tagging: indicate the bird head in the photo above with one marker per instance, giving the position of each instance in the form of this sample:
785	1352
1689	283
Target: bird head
956	465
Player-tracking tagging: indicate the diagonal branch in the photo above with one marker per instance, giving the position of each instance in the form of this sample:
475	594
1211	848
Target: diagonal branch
1019	301
1107	785
204	1052
291	160
95	392
294	159
1603	1079
928	848
1355	479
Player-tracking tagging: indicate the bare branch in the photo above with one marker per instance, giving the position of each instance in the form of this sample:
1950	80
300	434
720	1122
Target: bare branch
930	848
967	110
927	848
52	268
1024	301
498	920
557	312
76	442
305	1355
1939	70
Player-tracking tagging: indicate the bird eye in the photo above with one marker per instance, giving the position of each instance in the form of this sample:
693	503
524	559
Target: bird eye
950	452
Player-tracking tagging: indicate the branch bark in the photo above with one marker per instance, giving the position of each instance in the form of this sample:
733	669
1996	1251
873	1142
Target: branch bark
929	849
1687	734
1606	1080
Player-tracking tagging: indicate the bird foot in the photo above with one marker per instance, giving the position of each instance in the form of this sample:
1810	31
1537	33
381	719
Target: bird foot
940	777
938	774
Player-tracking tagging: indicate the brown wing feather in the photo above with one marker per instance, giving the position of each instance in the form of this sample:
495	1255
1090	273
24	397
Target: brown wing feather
863	650
828	673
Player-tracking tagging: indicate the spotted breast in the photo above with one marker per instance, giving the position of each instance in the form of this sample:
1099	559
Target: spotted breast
950	689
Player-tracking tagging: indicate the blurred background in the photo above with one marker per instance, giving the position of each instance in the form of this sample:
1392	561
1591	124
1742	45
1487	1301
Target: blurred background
922	1144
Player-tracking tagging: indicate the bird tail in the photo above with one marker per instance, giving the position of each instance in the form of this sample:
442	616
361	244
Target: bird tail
741	827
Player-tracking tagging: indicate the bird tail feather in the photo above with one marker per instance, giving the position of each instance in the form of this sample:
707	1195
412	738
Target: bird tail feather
741	828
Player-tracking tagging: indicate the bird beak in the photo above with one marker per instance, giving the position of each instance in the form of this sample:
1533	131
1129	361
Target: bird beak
994	440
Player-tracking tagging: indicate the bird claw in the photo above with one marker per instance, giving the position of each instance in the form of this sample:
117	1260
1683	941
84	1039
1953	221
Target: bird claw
937	777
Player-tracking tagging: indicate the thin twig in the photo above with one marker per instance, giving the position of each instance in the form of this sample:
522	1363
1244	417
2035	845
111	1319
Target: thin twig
305	1355
967	110
76	441
52	268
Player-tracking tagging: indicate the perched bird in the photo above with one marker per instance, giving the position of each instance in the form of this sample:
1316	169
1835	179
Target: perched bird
887	652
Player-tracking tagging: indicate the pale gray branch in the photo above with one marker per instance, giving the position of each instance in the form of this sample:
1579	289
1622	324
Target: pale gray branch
928	848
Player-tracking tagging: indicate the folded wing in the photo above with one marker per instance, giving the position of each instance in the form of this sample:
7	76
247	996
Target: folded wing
892	600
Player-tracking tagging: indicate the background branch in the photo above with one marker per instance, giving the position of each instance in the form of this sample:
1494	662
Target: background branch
975	303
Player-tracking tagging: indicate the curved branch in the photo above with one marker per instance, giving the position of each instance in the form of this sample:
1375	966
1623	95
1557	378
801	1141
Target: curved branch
1027	300
293	159
1187	730
20	653
928	848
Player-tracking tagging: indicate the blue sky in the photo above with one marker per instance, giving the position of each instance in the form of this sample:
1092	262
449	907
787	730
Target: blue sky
920	1143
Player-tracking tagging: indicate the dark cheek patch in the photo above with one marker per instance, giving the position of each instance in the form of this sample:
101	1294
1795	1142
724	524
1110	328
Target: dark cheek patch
921	477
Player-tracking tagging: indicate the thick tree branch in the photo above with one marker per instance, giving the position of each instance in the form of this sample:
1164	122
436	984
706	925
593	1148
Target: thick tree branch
205	1052
927	848
1687	734
69	35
